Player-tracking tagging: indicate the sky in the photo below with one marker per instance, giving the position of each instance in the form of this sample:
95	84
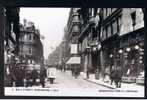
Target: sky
50	22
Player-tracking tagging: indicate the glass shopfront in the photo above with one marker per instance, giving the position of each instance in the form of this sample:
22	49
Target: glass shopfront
131	56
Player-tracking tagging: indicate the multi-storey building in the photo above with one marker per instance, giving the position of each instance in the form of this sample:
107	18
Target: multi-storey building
111	37
31	47
72	32
10	37
122	39
89	39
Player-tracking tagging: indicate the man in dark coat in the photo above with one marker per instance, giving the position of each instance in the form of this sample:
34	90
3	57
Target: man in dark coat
28	77
42	76
34	76
118	77
112	75
19	77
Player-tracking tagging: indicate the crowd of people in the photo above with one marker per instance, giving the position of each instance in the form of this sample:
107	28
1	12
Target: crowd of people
22	77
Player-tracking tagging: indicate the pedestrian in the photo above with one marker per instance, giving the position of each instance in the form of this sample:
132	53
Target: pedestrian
118	77
72	70
34	75
51	74
19	76
28	78
42	76
112	75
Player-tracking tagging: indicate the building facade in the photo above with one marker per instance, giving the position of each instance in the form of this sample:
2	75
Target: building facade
112	37
122	39
10	33
89	39
72	32
31	47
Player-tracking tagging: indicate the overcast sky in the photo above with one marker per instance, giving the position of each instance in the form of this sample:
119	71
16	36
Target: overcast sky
50	21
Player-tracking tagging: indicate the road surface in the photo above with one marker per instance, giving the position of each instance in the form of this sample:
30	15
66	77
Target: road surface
65	80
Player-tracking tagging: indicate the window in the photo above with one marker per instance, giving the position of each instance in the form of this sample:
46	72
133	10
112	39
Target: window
104	14
30	37
108	11
33	37
133	16
104	33
118	24
113	9
109	31
30	50
92	12
114	26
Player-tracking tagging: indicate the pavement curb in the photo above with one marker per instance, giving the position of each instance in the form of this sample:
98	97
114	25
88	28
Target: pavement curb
100	84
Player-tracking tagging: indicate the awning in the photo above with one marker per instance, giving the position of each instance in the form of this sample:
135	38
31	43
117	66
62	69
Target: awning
74	60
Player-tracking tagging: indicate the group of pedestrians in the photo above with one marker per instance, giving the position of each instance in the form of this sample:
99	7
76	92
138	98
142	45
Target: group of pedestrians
22	77
43	75
31	77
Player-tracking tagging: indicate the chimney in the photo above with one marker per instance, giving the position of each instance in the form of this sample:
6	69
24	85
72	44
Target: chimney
25	22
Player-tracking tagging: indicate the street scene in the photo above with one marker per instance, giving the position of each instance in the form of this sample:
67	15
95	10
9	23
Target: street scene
73	51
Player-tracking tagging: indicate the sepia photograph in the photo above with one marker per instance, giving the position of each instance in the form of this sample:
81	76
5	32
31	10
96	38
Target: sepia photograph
86	52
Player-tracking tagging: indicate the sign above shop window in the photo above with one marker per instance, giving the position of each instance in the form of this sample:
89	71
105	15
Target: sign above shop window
74	49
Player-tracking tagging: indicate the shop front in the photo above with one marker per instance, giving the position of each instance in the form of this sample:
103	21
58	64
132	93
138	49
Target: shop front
131	55
108	55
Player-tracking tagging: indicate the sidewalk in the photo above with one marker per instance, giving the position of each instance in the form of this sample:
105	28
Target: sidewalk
124	86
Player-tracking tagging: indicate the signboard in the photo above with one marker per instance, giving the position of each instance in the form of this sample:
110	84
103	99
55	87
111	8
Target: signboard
74	49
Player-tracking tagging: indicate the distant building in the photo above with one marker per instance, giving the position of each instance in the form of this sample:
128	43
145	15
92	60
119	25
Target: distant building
54	57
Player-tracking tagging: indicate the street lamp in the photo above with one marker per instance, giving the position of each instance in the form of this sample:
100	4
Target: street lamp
94	48
9	55
120	51
110	55
128	49
136	47
99	46
140	61
140	49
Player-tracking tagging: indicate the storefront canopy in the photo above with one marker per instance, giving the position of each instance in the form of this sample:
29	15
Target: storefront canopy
74	60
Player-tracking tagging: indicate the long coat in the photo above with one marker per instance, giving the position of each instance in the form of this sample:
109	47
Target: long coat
51	72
